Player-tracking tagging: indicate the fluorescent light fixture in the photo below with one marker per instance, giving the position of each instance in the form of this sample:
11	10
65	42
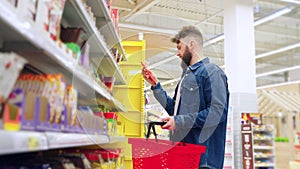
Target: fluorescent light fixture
141	36
292	1
272	16
278	71
147	28
278	51
214	40
278	84
257	22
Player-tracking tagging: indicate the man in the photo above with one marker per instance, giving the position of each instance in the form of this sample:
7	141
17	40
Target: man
198	110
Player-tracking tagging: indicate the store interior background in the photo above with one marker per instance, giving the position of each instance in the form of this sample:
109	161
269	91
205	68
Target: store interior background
107	101
277	48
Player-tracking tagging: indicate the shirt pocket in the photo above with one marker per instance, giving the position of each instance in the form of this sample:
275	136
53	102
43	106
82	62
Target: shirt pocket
190	97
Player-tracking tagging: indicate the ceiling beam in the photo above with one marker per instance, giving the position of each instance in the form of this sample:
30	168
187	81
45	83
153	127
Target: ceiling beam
122	5
278	71
139	8
148	28
280	50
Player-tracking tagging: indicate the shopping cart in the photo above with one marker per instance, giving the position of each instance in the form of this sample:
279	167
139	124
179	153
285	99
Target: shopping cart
164	154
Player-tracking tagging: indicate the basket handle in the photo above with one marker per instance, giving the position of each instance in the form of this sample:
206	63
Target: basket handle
161	123
152	126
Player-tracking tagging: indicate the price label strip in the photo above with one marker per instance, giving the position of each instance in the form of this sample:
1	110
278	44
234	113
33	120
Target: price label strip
33	143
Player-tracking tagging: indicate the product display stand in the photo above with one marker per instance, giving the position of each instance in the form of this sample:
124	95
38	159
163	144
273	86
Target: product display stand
264	146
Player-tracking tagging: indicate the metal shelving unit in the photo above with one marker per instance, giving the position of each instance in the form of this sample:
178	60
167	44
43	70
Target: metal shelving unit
105	23
264	147
100	47
28	141
31	42
27	39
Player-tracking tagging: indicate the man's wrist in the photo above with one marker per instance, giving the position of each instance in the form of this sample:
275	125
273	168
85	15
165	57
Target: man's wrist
155	86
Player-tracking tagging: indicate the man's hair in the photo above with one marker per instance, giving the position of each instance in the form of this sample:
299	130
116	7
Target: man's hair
188	31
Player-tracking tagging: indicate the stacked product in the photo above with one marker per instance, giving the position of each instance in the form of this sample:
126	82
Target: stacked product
46	103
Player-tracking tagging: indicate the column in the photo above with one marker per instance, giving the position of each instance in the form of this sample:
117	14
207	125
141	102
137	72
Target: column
239	48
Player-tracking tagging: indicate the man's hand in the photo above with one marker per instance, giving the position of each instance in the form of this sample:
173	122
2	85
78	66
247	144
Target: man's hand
170	123
148	75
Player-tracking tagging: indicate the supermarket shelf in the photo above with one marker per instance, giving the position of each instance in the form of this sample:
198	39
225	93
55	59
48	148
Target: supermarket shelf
112	104
116	139
22	141
63	140
122	167
263	138
51	58
75	9
263	147
120	107
29	141
262	129
263	156
264	165
105	24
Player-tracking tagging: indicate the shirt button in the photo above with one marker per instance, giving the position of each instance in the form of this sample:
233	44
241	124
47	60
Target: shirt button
186	74
191	89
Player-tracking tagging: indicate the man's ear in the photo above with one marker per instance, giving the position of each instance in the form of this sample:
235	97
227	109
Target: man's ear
192	44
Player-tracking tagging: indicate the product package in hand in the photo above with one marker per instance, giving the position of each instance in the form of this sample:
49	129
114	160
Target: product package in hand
149	75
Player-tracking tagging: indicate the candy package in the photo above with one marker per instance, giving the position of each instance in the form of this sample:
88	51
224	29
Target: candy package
11	65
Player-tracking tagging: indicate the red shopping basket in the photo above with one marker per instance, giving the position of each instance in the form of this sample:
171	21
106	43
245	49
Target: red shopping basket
149	154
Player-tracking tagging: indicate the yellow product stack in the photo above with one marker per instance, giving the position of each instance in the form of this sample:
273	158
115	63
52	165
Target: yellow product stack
131	123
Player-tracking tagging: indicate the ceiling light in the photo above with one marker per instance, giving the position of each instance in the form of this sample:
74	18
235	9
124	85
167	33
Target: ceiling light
292	1
278	84
278	71
278	51
214	40
257	22
272	16
141	36
148	28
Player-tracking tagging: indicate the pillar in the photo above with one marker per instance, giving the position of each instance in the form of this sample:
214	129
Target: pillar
239	48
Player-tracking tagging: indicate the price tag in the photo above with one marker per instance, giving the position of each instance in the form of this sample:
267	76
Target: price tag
33	143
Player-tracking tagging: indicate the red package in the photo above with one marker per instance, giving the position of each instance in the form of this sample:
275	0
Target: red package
149	74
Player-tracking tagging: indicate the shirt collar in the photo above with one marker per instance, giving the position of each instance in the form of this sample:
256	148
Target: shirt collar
198	64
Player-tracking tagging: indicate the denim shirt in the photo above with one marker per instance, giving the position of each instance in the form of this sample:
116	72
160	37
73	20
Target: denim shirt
202	112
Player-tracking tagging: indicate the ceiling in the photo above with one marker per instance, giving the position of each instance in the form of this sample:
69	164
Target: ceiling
277	42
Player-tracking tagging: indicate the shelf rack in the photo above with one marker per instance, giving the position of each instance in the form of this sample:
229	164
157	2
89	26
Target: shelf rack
28	141
264	146
104	21
23	37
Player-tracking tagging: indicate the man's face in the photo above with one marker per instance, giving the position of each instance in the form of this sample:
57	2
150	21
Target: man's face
183	52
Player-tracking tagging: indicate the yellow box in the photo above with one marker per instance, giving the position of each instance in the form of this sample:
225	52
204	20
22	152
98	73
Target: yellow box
132	74
135	51
133	123
128	164
132	98
120	128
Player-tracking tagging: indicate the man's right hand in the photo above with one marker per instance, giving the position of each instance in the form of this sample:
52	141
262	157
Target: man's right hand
148	75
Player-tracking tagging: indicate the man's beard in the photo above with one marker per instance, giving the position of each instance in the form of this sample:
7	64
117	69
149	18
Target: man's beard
186	57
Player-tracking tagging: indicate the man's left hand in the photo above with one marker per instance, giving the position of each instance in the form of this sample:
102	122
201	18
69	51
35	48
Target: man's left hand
170	123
